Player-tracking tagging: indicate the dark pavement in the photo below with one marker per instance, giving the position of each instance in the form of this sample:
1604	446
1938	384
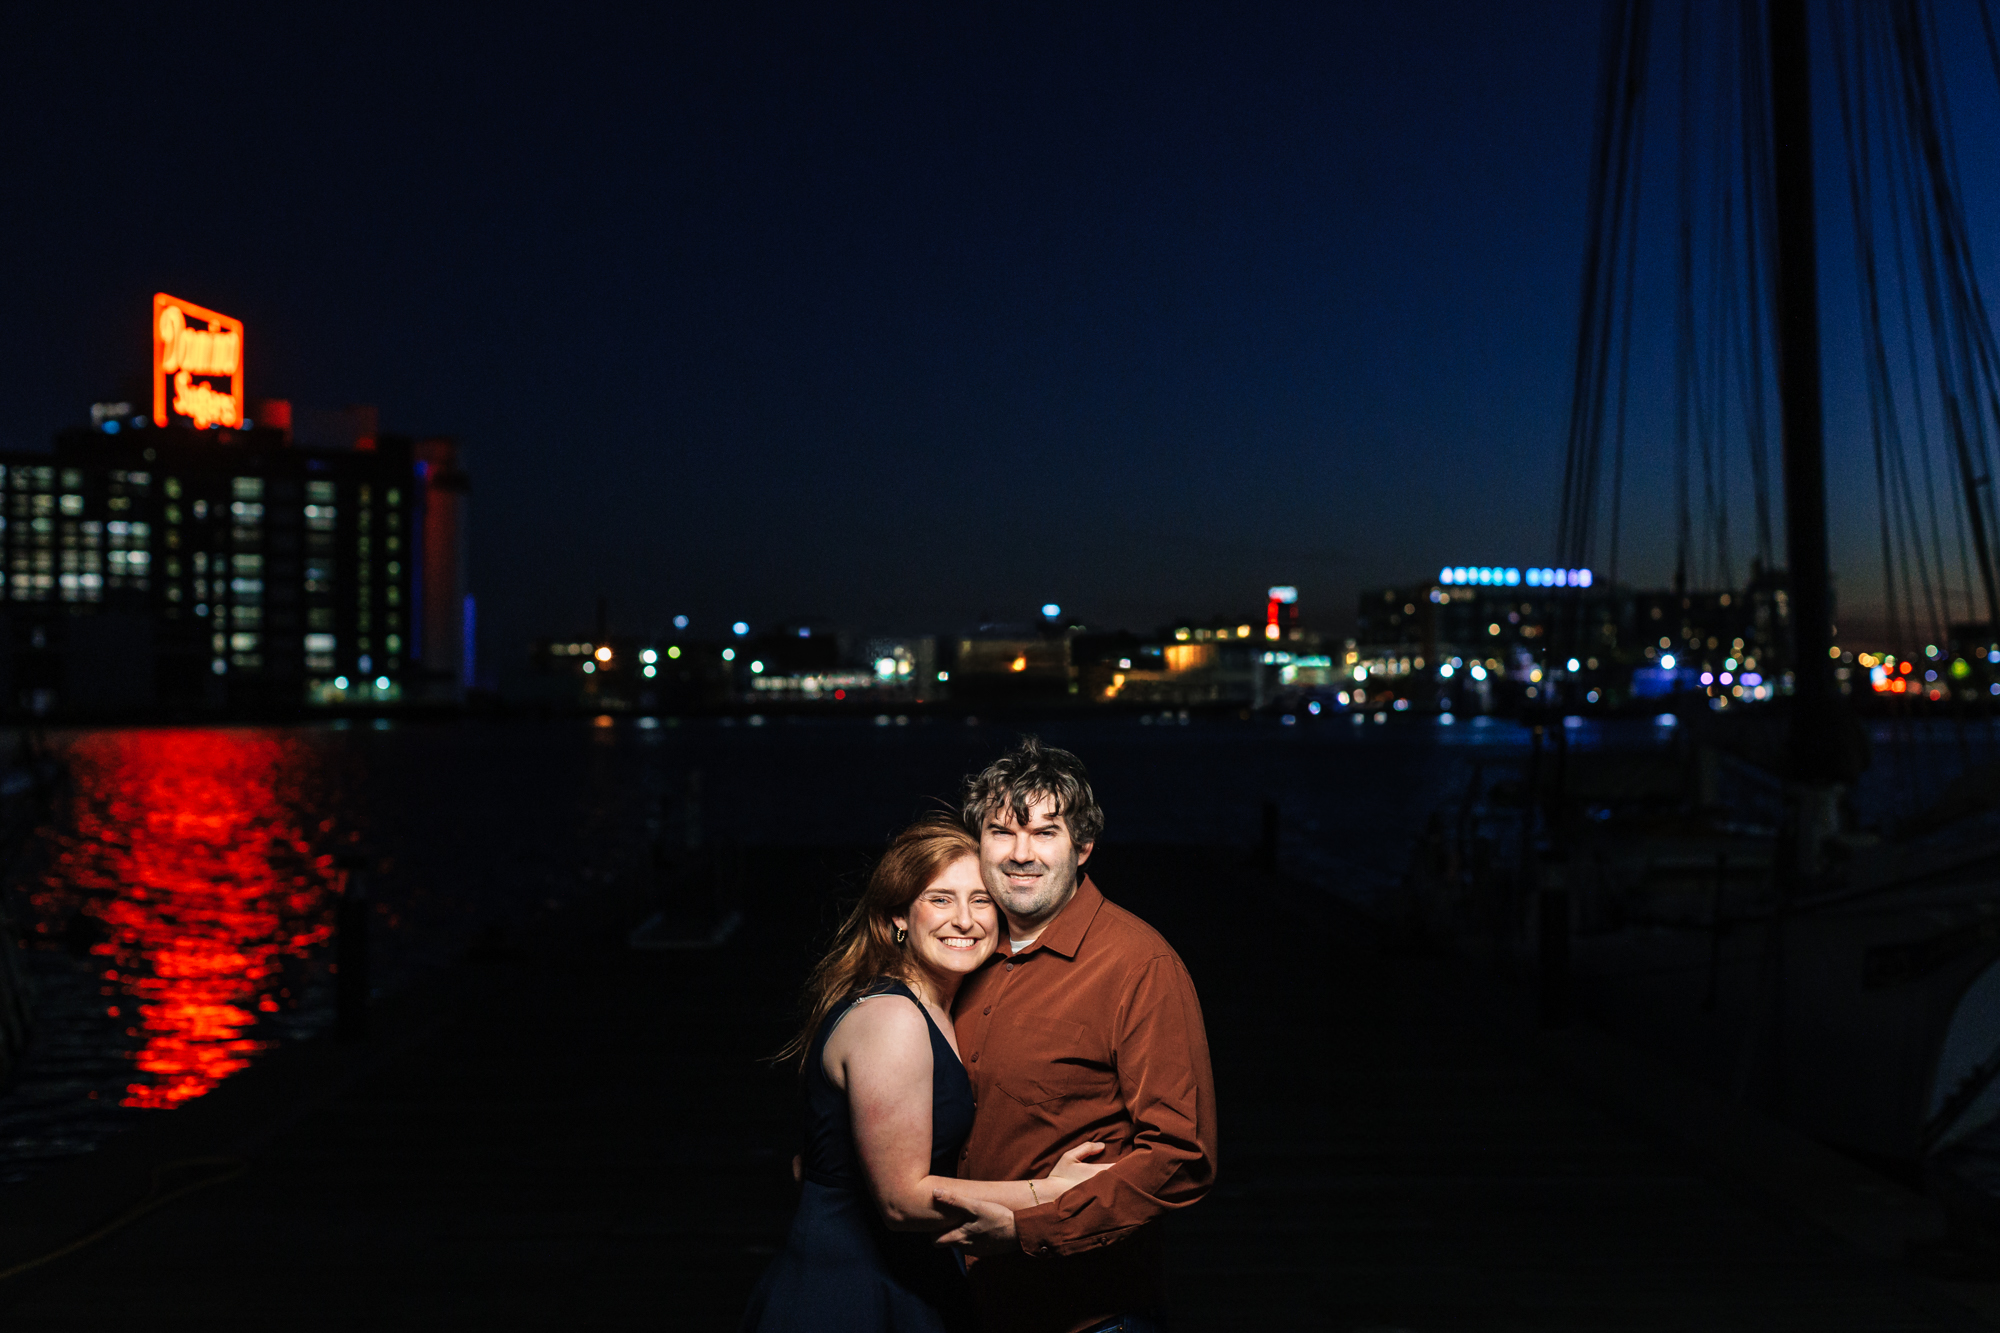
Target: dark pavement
563	1133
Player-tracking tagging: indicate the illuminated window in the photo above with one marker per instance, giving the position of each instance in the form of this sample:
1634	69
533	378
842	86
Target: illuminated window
321	643
246	488
248	564
173	488
320	492
394	497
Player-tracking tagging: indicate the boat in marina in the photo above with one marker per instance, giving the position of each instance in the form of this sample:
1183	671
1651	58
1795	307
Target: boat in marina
1798	903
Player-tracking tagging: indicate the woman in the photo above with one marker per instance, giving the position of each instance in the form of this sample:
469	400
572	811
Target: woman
888	1105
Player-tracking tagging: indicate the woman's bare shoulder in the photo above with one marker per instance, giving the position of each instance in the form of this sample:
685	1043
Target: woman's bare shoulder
886	1025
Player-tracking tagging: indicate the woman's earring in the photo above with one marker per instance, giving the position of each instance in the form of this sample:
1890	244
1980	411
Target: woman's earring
901	934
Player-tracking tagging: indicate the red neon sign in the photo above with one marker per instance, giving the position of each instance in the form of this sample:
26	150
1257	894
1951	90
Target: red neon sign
193	349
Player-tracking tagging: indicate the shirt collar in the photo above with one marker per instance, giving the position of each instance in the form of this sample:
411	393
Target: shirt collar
1064	934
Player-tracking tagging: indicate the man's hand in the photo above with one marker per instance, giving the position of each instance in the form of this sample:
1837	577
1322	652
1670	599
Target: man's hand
987	1229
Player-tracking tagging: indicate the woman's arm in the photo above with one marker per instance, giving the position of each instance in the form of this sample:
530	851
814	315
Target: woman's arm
881	1056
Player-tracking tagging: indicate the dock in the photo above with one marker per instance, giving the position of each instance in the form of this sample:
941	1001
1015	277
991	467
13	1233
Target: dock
562	1131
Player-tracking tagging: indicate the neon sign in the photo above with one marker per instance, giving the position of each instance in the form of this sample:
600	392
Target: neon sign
192	349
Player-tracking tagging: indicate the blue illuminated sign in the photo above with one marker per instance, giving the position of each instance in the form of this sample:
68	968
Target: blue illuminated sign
1504	576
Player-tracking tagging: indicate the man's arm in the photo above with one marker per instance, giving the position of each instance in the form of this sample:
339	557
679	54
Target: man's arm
1169	1091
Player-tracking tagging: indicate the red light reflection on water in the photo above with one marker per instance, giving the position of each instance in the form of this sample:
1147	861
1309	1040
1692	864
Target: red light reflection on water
195	850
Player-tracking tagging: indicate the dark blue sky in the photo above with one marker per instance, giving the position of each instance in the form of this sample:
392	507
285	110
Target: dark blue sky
894	316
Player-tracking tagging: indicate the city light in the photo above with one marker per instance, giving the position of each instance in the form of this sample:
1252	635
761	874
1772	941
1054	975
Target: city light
1051	610
648	656
1505	576
756	668
739	629
729	654
1574	664
602	654
648	671
340	682
1666	661
381	682
674	651
680	622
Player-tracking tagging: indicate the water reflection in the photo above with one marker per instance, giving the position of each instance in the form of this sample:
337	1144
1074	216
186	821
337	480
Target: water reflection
203	861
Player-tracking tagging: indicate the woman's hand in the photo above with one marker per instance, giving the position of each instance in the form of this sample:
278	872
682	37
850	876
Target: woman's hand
1070	1169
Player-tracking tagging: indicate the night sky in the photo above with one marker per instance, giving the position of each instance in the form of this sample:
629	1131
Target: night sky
901	318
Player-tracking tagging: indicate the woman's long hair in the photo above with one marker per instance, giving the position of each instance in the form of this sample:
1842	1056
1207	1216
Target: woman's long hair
865	947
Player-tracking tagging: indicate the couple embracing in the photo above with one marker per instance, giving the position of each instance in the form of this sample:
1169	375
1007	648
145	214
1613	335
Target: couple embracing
1006	1081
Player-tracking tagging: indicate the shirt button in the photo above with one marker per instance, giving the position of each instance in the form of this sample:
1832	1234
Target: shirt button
1010	967
975	1057
989	1009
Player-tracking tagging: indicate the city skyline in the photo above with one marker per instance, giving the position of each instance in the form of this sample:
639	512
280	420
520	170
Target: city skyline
896	319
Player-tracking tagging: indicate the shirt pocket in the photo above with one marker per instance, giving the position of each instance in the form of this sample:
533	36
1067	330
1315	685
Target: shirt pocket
1056	1062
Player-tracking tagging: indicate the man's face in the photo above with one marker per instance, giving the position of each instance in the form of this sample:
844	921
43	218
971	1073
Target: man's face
1030	866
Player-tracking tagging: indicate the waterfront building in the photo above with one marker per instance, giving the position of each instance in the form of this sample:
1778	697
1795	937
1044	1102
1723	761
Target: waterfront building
216	569
444	613
1000	663
1490	636
222	554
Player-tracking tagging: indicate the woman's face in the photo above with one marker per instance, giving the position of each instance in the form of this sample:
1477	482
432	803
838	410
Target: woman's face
953	925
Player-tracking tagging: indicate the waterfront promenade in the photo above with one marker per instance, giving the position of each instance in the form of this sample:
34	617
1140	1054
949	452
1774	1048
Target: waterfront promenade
563	1133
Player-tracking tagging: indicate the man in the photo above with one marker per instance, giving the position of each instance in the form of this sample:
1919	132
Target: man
1088	1030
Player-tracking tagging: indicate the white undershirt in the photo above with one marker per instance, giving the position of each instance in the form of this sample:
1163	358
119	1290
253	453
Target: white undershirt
1017	945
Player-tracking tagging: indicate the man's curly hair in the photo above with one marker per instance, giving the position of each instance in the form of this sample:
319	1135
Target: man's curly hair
1026	774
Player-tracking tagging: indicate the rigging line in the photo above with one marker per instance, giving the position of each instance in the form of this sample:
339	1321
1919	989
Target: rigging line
1684	304
1721	310
1574	497
1753	117
1916	563
1625	356
1624	243
1621	97
1922	246
1883	408
1975	326
1924	119
1621	229
1880	400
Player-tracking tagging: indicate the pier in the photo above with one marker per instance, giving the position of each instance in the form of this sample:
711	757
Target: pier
561	1131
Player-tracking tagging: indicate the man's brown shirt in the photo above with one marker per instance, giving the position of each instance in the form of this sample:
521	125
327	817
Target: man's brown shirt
1091	1033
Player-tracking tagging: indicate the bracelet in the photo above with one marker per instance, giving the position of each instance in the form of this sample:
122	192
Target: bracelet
1031	1194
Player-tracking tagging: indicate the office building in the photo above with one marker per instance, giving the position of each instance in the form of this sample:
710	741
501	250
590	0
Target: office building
207	569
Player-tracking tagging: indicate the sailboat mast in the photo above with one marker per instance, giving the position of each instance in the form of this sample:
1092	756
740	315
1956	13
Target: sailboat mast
1815	737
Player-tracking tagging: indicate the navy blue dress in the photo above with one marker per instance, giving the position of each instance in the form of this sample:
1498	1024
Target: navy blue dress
842	1270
